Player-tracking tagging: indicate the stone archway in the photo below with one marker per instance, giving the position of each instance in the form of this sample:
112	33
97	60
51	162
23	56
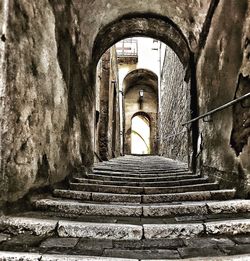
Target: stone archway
136	83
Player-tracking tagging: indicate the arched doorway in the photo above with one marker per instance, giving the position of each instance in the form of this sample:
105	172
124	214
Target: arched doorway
140	134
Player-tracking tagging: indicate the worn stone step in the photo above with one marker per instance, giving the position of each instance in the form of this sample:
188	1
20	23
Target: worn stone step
190	196
115	231
181	189
107	188
161	210
140	167
138	171
142	183
98	197
158	198
26	256
138	175
142	179
142	190
75	208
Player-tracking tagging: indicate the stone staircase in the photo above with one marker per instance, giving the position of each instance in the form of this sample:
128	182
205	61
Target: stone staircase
131	208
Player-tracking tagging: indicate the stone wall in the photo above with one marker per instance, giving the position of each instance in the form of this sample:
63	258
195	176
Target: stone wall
223	74
108	135
42	99
175	109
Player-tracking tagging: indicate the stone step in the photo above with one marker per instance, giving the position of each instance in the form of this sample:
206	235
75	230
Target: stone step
97	197
158	198
75	208
139	171
26	256
140	166
138	175
142	184
190	196
91	230
142	190
142	179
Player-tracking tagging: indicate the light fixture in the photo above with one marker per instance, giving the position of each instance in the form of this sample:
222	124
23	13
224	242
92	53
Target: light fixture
141	93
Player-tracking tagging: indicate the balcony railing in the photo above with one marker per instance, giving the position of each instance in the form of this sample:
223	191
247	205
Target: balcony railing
127	48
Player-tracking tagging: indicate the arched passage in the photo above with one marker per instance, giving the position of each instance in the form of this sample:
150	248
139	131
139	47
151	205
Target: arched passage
140	89
149	25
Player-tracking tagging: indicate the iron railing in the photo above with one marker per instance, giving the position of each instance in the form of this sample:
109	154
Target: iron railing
220	108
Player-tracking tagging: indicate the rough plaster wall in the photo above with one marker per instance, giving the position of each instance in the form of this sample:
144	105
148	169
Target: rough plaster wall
218	70
175	106
41	125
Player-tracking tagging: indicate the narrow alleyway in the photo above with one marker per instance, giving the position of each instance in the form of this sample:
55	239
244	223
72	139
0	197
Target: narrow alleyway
137	207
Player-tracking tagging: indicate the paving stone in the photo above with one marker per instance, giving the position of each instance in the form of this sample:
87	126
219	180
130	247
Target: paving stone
173	231
191	218
228	227
59	242
95	244
99	230
244	239
78	258
203	242
149	244
12	256
188	252
174	210
141	254
229	206
24	240
22	224
4	237
79	208
217	258
237	250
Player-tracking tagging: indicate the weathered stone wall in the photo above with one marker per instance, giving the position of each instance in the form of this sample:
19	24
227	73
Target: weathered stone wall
109	125
175	109
222	75
44	96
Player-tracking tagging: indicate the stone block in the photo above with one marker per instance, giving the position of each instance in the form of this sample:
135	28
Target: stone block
99	230
172	231
22	224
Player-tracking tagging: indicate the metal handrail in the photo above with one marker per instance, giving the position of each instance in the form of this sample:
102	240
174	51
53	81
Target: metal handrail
226	105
